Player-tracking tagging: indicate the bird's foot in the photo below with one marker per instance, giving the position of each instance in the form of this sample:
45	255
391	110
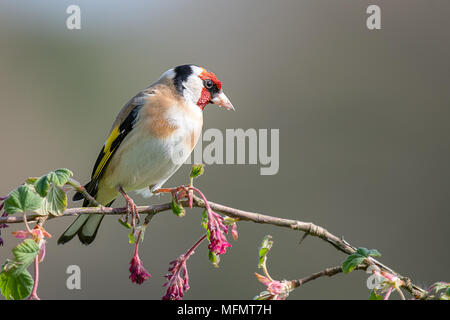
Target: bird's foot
131	209
178	193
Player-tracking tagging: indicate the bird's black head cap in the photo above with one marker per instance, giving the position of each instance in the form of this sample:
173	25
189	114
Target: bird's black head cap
182	73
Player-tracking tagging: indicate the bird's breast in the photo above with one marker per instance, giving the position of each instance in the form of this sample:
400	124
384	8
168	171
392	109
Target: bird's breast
155	148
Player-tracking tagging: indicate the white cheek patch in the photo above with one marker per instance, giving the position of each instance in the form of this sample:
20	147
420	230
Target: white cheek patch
193	89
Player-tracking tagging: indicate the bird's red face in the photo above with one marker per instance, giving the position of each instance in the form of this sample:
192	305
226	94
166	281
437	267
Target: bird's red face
200	87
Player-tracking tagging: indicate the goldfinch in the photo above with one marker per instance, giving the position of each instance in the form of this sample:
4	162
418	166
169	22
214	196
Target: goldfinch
152	136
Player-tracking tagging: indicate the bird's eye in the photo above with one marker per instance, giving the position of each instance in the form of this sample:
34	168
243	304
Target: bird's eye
208	84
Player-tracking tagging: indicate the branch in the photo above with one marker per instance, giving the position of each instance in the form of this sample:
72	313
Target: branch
307	227
327	272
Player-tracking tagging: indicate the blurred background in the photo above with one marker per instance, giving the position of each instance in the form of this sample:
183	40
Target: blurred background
363	118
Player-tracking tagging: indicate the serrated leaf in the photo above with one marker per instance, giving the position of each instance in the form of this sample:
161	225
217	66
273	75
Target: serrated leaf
60	176
374	253
197	170
266	245
15	281
24	255
352	262
177	208
23	199
357	258
42	185
8	265
17	286
57	200
43	210
368	253
214	259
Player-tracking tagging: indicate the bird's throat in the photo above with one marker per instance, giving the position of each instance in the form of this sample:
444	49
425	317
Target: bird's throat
205	98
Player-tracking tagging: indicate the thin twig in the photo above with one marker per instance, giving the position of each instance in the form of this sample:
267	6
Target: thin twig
327	272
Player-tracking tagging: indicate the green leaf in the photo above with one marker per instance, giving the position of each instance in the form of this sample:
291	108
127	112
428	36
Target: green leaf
60	176
229	221
43	210
15	281
375	296
205	219
352	262
197	170
368	253
131	238
142	231
125	224
266	245
23	199
214	258
24	255
177	208
42	185
57	200
17	286
31	180
357	258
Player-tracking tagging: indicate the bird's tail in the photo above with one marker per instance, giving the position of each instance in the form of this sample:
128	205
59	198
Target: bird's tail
85	226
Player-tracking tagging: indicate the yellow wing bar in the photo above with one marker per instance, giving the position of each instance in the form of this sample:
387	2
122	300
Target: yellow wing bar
107	152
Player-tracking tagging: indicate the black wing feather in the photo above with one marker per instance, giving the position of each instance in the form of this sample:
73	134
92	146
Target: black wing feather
125	127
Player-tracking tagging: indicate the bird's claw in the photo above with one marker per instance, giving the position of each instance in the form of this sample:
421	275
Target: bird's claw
133	211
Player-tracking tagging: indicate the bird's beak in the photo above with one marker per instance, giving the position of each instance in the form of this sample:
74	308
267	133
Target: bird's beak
222	100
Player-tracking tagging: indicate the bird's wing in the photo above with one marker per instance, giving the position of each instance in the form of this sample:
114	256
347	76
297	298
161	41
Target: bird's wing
124	123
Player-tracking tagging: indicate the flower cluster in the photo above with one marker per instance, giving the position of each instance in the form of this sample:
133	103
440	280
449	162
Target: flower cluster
177	279
217	241
389	283
276	290
138	274
216	227
38	234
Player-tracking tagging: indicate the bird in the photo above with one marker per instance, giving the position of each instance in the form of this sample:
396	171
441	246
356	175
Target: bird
152	136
